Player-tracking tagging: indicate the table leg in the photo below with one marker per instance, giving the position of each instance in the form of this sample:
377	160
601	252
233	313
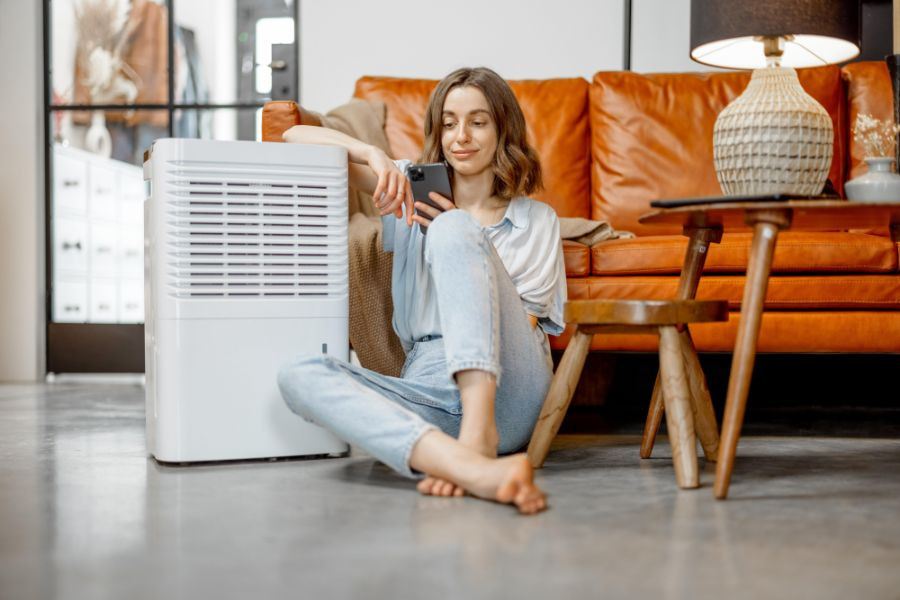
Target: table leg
699	239
558	397
676	395
765	234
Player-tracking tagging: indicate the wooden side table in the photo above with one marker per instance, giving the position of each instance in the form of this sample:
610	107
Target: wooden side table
766	219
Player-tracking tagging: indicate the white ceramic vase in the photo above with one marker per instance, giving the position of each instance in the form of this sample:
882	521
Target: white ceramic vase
879	184
97	138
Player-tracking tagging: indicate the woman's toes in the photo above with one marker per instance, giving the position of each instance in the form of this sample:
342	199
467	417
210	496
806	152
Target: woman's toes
426	485
530	500
432	486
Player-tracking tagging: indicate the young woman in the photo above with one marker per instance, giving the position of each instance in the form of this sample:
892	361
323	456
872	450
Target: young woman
474	300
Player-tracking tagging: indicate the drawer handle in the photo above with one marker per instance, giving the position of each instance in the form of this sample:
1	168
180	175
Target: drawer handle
71	308
103	250
70	182
131	305
69	246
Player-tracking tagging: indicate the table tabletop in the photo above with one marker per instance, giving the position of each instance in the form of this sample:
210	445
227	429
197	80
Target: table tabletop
809	215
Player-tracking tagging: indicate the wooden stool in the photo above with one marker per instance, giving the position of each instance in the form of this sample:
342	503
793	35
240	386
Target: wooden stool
680	386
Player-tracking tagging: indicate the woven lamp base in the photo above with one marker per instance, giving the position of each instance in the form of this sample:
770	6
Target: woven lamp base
774	138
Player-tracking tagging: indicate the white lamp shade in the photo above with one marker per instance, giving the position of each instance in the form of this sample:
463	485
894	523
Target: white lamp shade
799	52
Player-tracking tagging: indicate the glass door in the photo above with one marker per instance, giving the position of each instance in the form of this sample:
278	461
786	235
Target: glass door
118	75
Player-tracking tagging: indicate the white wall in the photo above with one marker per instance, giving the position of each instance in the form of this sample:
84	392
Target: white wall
661	37
341	41
21	193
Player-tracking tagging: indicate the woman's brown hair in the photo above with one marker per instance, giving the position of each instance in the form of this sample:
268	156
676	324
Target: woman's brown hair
517	168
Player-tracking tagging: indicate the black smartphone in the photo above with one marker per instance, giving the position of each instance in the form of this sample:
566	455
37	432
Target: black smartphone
430	177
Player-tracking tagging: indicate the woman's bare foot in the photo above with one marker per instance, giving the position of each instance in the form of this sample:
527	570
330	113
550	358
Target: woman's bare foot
510	480
485	445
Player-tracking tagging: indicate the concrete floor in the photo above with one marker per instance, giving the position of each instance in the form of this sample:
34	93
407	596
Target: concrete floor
85	514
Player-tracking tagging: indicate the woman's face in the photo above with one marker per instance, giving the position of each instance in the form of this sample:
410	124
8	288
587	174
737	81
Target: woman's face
468	133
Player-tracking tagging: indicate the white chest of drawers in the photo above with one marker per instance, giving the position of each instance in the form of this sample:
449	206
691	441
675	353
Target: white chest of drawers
98	239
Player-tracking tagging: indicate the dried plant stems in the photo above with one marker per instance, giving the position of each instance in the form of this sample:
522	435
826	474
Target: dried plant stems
877	137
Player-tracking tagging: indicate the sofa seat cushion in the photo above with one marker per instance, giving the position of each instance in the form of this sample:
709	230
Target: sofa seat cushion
577	258
795	252
556	115
780	331
651	137
816	292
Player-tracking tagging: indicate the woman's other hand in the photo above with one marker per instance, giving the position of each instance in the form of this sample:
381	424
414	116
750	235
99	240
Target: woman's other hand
425	213
392	190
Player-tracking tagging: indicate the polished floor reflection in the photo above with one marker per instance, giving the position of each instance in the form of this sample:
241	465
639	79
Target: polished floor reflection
85	514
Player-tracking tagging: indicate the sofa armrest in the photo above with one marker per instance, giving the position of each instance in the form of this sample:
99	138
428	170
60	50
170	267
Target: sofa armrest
280	115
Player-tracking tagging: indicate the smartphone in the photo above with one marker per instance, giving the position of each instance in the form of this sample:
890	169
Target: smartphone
431	177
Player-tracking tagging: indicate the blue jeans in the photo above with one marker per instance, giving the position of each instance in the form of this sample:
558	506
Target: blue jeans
484	326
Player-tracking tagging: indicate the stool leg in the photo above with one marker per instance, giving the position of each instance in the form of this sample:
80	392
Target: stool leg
654	418
694	259
701	402
676	396
558	397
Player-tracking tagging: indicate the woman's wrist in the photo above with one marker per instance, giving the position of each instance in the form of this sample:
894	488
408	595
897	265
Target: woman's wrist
374	155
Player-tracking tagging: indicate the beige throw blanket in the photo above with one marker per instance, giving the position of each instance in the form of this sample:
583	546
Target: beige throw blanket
371	309
364	121
587	232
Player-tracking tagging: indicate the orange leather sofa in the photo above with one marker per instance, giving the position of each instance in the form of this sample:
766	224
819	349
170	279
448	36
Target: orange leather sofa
611	146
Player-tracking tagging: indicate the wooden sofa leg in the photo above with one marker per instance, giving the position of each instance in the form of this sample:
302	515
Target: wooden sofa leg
704	416
558	397
679	420
654	418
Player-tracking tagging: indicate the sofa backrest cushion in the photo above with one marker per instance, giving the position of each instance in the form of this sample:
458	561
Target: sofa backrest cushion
651	137
556	115
868	92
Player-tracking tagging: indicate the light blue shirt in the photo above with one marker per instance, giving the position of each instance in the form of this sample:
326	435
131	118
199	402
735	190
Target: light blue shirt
527	241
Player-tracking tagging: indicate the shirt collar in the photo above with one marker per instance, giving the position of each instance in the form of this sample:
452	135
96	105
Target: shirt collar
516	213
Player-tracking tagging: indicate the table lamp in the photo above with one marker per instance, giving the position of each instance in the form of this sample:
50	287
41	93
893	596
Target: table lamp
773	138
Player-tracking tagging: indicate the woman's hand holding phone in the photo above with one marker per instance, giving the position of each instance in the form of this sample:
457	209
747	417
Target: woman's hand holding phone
431	190
425	213
392	190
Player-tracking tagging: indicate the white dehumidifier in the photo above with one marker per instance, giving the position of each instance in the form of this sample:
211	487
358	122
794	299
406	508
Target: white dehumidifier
245	268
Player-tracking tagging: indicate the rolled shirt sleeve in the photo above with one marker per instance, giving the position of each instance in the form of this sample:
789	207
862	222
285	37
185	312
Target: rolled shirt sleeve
546	293
528	242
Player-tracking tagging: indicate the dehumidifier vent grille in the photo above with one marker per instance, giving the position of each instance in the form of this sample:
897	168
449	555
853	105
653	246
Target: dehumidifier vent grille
255	231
